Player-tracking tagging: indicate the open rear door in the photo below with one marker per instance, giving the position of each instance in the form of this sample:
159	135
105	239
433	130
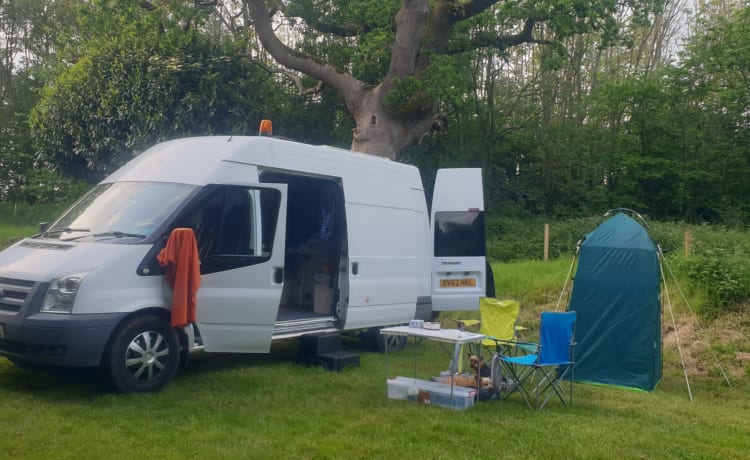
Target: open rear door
458	237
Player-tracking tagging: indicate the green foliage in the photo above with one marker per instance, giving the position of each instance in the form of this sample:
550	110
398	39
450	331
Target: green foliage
723	274
514	239
716	271
558	134
123	97
16	157
46	186
362	34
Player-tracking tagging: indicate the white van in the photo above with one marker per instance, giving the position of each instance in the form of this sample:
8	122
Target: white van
293	239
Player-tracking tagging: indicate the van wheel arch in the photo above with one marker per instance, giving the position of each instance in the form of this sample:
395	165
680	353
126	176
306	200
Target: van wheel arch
150	344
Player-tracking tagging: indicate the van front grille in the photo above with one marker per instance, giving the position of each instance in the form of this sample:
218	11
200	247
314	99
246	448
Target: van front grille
13	294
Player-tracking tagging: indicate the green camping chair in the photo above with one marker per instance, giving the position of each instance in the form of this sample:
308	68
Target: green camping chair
537	376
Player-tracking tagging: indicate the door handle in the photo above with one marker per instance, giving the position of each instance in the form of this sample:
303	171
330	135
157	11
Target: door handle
278	275
355	268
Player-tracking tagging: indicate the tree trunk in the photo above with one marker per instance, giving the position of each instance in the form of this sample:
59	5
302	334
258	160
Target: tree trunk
380	132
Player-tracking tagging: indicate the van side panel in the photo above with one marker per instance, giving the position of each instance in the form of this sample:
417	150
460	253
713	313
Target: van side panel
387	227
388	269
388	251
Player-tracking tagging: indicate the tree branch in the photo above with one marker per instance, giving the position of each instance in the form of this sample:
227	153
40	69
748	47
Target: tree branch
470	9
348	87
296	78
410	22
148	6
305	13
490	40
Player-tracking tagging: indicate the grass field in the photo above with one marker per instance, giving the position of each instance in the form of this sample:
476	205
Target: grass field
269	407
10	233
266	406
233	406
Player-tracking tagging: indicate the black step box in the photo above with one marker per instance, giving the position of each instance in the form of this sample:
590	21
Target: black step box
325	350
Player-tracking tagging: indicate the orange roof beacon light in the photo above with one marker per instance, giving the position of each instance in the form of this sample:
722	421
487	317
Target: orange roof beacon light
266	128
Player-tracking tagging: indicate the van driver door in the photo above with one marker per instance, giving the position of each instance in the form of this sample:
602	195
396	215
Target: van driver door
240	231
458	240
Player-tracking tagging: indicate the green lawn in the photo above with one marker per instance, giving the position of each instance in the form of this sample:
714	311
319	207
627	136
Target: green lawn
267	406
233	406
11	233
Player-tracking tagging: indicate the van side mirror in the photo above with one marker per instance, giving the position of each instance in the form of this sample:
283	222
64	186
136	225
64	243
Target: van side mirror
43	226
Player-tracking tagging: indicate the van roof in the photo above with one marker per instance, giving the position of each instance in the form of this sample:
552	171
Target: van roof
220	159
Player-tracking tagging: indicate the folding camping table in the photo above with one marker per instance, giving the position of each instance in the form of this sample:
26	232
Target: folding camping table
453	336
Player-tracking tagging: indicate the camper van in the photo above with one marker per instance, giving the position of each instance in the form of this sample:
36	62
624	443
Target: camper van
292	239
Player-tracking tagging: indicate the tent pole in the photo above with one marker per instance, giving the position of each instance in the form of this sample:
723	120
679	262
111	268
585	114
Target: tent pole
674	324
684	298
567	277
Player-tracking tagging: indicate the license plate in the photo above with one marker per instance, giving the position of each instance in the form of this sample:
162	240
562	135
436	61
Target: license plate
458	283
2	331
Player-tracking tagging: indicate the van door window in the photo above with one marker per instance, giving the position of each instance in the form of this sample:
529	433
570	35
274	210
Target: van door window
459	234
234	226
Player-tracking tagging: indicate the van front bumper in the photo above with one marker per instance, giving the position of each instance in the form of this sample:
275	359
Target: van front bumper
56	339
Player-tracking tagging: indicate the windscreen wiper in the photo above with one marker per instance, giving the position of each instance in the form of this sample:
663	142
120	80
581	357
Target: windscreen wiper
65	230
112	233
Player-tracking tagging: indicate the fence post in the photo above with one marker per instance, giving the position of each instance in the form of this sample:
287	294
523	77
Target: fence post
546	242
688	241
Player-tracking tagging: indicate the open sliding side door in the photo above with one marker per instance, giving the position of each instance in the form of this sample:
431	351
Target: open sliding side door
458	240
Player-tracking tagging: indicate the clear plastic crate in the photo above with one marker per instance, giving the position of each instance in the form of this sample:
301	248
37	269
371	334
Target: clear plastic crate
434	393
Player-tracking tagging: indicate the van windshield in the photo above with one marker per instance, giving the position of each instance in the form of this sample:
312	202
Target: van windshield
119	212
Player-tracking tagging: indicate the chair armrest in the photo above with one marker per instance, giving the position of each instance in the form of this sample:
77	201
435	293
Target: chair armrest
464	324
524	347
512	342
467	322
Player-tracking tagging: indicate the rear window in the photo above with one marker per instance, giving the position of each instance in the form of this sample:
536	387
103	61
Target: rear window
459	234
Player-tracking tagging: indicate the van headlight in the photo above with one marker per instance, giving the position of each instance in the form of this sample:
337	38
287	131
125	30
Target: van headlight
62	292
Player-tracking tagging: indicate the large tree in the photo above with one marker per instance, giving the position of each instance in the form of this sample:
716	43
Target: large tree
388	81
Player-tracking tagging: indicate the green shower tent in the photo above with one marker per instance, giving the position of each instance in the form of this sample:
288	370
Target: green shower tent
616	297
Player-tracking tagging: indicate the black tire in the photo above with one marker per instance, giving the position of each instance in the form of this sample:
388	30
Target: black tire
391	342
143	356
374	338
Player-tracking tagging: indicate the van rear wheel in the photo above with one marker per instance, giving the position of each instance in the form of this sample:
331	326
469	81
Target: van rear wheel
144	355
390	342
373	337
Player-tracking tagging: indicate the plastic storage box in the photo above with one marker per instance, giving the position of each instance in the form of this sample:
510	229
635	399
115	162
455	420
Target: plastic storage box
435	393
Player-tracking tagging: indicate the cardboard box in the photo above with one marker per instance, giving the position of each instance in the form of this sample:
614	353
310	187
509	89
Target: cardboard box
322	299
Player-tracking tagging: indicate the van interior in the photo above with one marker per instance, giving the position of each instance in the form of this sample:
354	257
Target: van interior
315	245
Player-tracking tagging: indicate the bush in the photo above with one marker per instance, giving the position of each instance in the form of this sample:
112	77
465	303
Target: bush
723	274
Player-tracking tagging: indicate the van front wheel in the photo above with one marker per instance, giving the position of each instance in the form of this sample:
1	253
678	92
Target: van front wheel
144	355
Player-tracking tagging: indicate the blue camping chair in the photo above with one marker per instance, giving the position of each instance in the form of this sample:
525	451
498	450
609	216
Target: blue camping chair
537	376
